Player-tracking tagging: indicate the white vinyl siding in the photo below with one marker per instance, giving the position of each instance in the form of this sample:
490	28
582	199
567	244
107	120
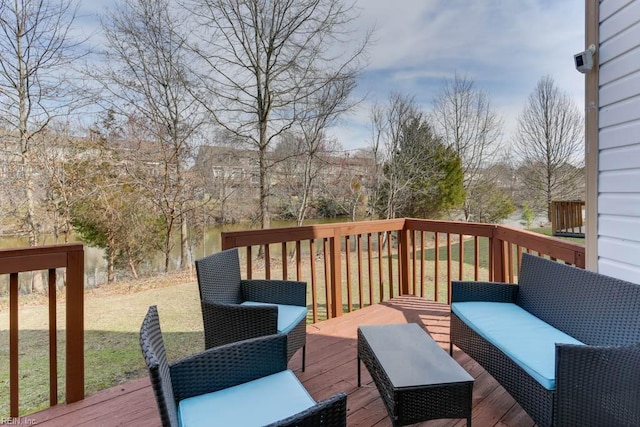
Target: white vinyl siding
619	140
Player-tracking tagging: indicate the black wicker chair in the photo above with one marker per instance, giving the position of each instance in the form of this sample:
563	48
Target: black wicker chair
234	309
240	384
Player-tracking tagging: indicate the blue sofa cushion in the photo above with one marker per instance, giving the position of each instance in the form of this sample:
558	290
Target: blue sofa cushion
256	403
525	339
288	315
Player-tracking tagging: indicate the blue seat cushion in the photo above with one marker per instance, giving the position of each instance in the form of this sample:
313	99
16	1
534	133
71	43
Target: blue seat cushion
256	403
288	315
525	339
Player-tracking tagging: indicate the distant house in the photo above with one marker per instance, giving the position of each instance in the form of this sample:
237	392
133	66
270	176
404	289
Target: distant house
613	138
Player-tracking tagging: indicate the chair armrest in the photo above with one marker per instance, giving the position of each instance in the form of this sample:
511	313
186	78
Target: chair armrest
483	291
227	323
287	292
597	385
329	412
228	365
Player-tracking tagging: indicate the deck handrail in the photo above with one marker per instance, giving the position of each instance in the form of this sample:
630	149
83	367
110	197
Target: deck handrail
405	264
70	257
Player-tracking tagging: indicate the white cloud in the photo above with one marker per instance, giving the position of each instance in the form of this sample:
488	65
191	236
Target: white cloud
505	46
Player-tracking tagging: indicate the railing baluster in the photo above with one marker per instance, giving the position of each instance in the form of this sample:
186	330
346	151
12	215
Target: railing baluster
348	261
267	262
422	246
298	261
476	258
53	342
390	263
380	274
360	273
336	275
314	288
327	280
14	394
437	266
510	261
285	263
370	268
415	263
249	263
461	257
448	268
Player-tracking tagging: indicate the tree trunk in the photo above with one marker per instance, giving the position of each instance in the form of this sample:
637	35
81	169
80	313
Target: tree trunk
111	258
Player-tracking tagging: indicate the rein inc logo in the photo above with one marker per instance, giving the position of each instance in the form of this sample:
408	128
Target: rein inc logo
18	421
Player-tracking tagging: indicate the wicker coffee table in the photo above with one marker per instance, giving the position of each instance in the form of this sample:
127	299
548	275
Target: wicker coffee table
416	378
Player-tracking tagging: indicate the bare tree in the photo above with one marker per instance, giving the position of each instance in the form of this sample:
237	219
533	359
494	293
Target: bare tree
263	60
388	122
345	191
36	54
323	107
549	141
463	116
147	78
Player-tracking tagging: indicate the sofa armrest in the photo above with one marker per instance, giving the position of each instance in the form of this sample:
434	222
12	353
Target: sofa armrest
286	292
228	365
329	412
227	323
597	385
483	291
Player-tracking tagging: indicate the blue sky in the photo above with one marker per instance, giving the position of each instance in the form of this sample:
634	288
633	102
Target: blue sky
505	46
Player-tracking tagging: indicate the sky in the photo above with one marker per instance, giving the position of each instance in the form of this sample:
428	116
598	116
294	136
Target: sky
504	46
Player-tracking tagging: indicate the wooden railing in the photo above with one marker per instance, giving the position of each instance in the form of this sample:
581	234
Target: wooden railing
350	265
566	218
49	258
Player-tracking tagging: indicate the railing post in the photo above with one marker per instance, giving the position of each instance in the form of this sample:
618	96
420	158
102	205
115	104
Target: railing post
404	260
554	215
336	275
498	258
75	326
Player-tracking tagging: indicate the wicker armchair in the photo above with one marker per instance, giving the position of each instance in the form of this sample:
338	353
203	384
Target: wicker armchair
234	309
215	387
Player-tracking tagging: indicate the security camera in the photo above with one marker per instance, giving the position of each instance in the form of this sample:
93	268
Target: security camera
584	60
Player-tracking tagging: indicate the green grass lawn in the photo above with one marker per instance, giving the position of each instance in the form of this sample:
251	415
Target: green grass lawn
112	350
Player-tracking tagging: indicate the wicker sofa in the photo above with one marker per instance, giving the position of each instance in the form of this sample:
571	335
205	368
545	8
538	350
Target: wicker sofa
564	342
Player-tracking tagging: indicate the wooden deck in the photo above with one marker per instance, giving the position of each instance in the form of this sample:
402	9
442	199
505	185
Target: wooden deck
331	367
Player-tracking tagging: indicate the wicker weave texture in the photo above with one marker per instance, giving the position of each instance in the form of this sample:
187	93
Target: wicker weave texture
222	367
220	273
155	357
596	384
593	308
222	291
410	406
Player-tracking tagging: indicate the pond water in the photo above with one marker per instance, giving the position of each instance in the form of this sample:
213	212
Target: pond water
96	265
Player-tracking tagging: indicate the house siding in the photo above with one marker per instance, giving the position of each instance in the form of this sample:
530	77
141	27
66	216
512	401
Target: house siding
618	246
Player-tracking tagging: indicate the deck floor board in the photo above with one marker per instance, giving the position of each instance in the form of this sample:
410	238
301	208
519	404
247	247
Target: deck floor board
331	367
